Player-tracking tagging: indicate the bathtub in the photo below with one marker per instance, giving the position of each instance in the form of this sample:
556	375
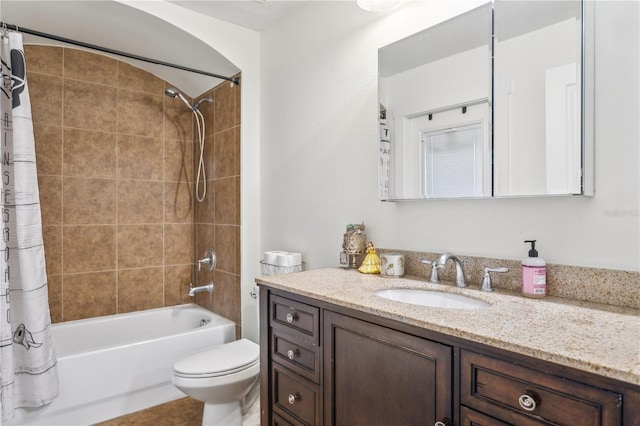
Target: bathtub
118	364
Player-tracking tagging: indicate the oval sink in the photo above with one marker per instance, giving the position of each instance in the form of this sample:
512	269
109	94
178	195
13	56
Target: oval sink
433	299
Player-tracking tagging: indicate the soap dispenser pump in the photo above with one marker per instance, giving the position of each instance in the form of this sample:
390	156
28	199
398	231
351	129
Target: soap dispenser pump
534	274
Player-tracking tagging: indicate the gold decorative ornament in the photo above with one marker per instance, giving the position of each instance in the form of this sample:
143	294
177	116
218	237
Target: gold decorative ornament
371	262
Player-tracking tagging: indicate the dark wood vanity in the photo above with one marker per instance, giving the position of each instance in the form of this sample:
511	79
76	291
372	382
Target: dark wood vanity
327	364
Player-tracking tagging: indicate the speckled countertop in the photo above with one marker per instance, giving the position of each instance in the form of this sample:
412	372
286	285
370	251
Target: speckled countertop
600	339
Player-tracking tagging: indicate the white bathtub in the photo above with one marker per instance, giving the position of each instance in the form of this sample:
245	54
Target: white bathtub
118	364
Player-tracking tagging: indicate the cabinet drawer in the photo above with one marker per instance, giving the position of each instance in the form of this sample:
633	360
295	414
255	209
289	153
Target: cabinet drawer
294	354
469	417
276	420
523	396
295	396
298	319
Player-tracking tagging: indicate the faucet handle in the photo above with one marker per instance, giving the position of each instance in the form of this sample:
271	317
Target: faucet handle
434	270
208	259
486	279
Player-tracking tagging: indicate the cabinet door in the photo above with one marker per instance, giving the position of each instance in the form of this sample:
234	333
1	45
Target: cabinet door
378	376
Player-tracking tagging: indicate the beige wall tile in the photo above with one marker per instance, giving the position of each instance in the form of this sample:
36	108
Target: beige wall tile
88	248
128	210
54	288
226	200
225	151
208	112
140	201
140	113
209	155
205	238
52	238
178	244
89	295
140	158
133	78
176	284
43	59
50	190
89	153
90	67
178	161
225	109
178	120
178	202
89	201
46	107
90	106
140	289
226	296
205	210
48	139
226	248
140	246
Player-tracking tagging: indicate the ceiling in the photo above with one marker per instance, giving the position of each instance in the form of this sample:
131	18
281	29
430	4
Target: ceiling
117	26
252	14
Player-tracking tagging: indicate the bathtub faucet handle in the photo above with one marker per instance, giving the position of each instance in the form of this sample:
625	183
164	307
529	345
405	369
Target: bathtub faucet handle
209	259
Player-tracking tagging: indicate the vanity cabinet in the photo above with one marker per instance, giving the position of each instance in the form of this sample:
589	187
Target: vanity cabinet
523	396
374	375
331	365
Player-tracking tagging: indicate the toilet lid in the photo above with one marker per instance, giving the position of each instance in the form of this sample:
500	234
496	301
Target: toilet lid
219	360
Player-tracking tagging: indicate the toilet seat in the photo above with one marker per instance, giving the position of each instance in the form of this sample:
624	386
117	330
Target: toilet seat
220	360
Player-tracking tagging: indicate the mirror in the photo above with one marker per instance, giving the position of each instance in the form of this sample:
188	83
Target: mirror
490	103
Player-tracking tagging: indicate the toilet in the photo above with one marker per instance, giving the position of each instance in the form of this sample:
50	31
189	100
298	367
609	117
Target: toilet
224	377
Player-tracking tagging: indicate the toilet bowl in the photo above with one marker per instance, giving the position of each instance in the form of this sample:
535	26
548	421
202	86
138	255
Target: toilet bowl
221	376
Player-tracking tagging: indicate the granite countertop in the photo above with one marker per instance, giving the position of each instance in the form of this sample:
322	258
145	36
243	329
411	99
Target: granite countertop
600	339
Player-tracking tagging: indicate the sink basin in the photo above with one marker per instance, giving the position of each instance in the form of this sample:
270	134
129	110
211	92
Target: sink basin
433	299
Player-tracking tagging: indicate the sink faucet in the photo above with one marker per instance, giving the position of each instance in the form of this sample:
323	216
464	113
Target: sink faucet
459	272
434	270
193	290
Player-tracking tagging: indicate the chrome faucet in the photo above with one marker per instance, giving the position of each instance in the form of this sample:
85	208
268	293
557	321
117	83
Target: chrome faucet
486	279
459	272
434	271
193	290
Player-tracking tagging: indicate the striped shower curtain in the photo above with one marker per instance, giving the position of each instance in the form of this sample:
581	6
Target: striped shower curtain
28	373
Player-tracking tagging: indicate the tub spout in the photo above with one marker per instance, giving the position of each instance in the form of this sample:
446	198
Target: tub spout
193	290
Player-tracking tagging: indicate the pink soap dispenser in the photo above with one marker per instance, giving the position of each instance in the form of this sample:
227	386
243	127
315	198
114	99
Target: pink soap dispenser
534	274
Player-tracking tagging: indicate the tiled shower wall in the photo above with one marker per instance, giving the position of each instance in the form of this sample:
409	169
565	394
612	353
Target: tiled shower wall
217	219
115	168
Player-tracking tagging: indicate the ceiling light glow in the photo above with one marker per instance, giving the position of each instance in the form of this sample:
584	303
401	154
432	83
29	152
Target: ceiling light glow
377	5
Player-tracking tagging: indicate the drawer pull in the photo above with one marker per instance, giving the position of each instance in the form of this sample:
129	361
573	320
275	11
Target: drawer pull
293	398
444	422
291	354
529	401
291	318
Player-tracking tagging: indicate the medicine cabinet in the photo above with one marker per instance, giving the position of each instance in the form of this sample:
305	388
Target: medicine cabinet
495	102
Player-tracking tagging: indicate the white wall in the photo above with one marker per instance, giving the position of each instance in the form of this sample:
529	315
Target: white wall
319	142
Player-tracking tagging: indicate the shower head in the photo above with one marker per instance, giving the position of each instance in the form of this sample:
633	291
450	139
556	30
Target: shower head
172	92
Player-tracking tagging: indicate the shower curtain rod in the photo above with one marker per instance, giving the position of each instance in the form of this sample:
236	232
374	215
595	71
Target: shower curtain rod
4	25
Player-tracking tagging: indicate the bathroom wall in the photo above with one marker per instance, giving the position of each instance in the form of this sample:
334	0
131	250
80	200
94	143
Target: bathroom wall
115	168
217	218
319	151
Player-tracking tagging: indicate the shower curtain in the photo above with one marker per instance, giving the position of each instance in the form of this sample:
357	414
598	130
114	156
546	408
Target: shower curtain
28	373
